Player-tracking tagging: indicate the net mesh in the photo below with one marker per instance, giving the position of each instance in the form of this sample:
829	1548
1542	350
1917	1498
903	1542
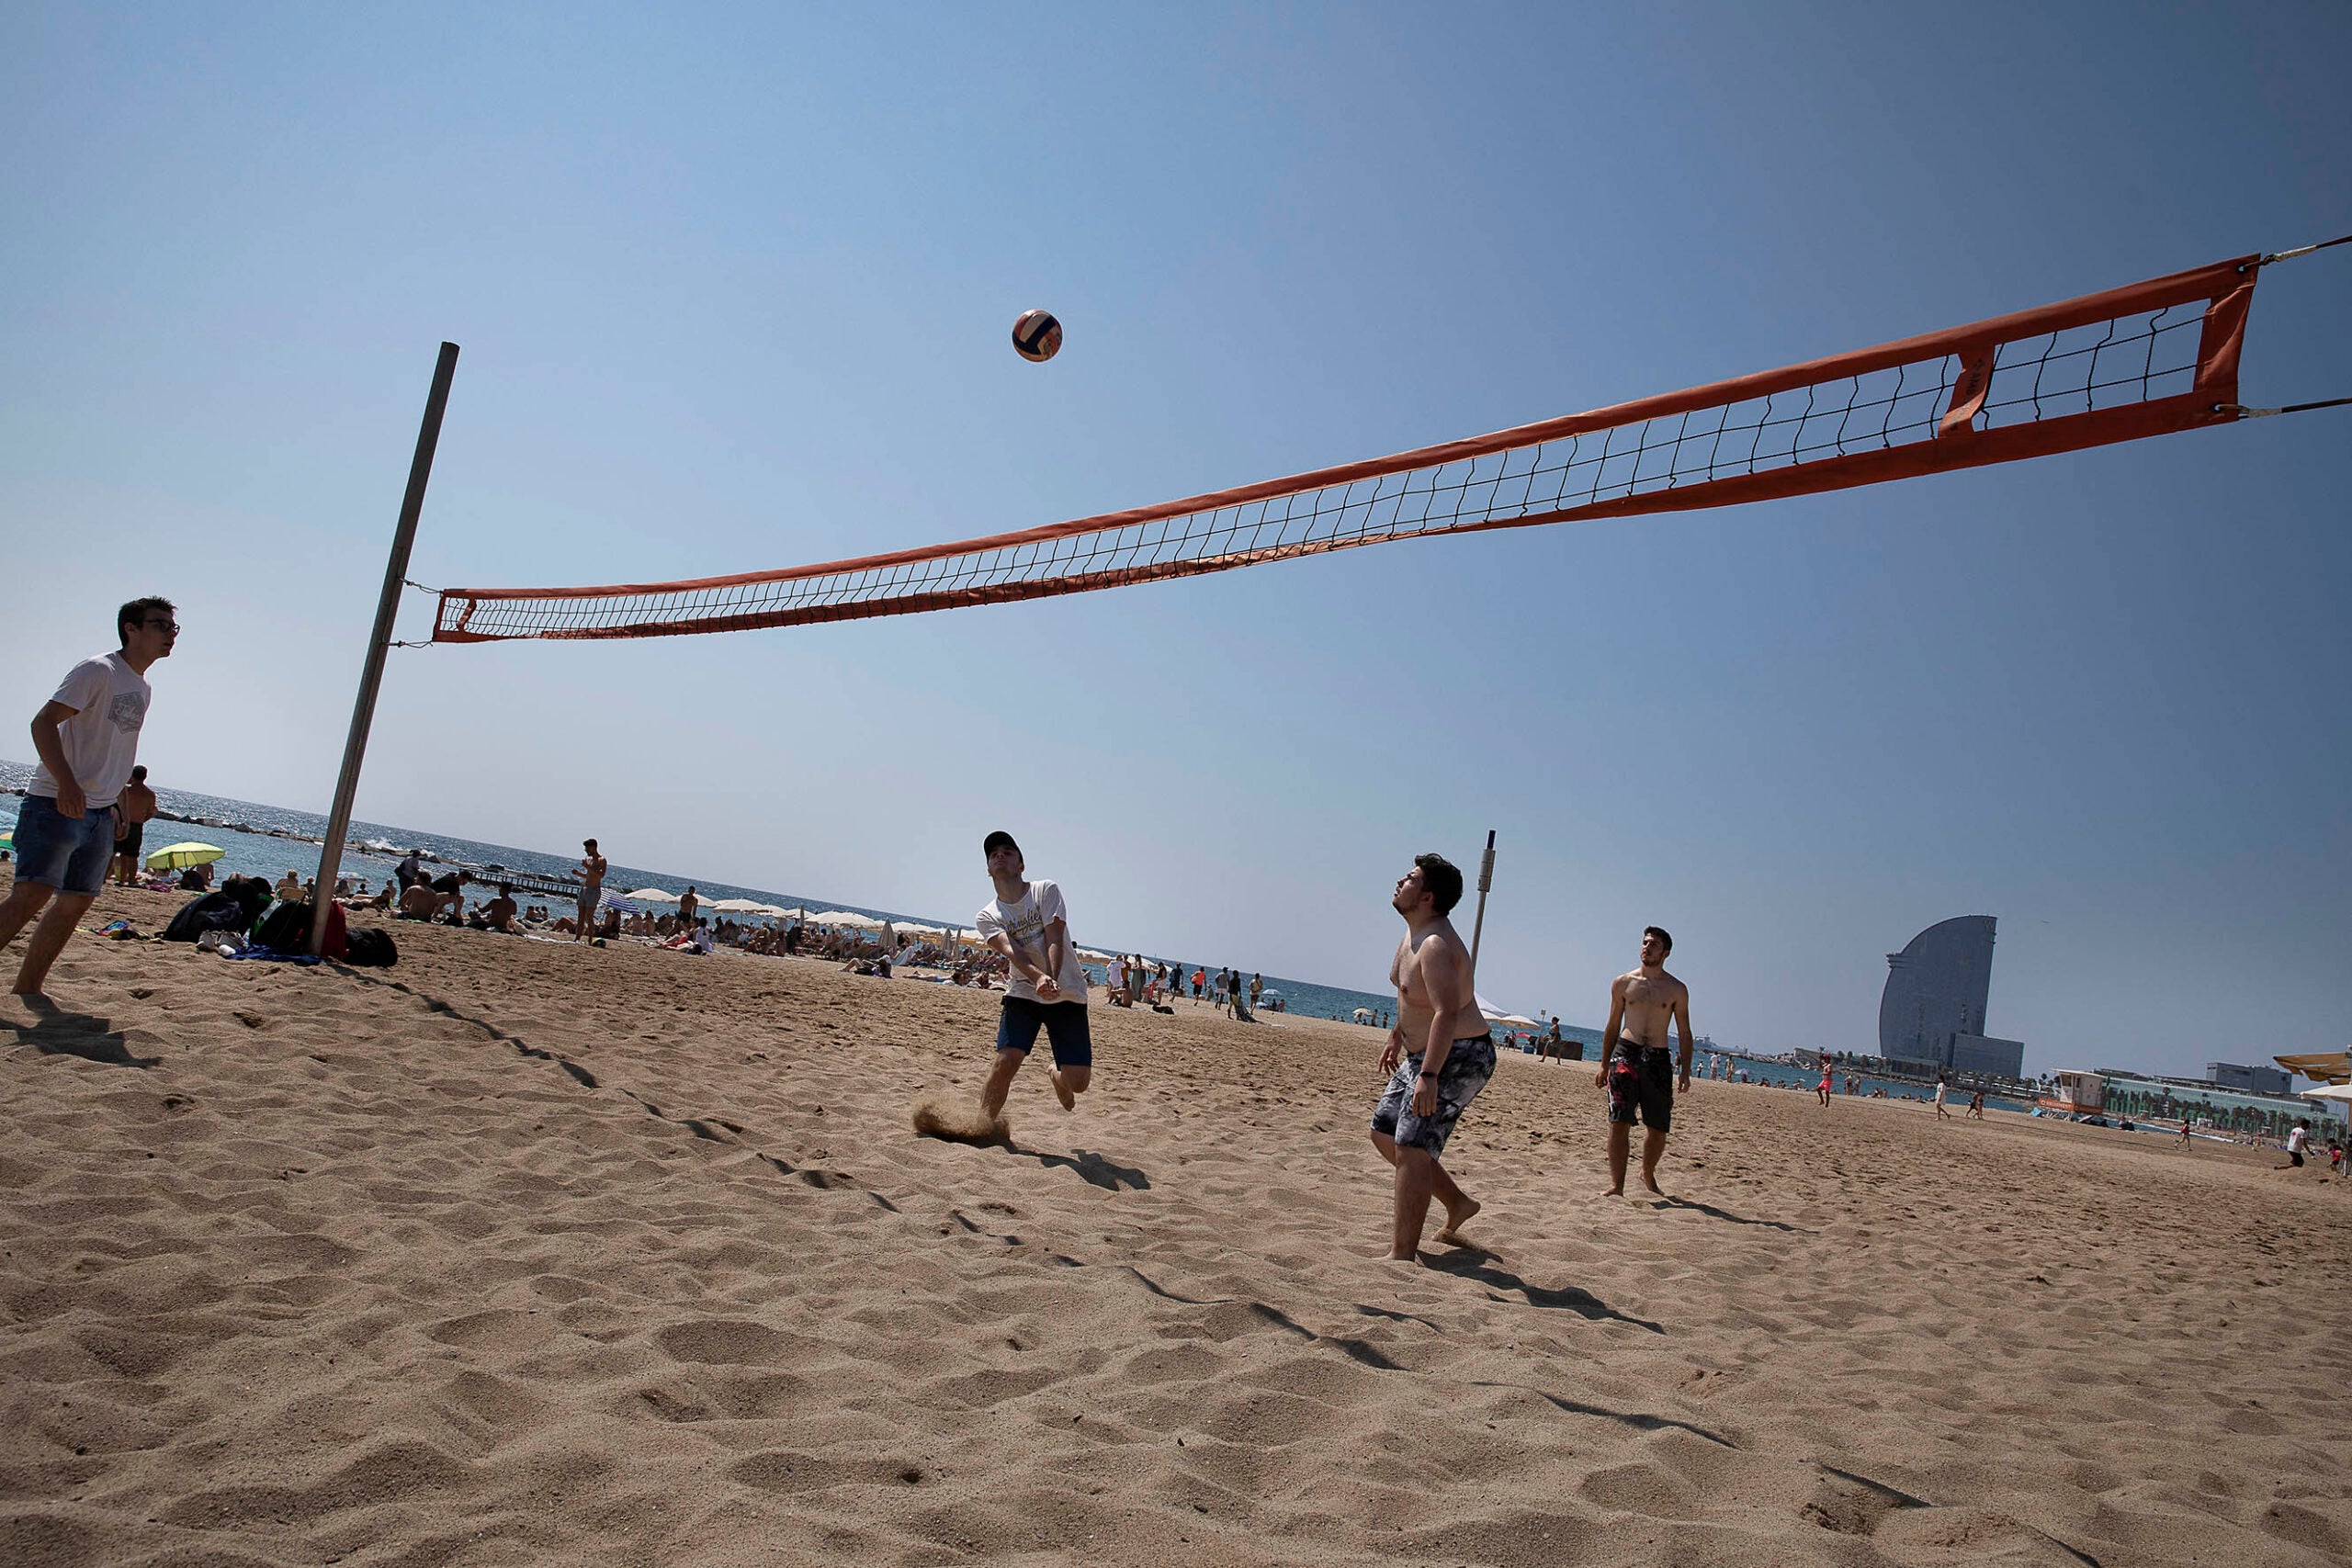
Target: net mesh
2143	360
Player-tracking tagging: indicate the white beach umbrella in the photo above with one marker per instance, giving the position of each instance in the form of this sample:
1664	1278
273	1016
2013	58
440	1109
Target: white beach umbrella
739	905
2332	1092
846	918
652	895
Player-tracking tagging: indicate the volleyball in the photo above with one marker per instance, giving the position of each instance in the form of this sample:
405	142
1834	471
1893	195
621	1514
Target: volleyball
1036	336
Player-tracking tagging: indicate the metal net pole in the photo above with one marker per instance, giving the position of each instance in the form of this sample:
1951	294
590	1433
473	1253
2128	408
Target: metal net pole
371	674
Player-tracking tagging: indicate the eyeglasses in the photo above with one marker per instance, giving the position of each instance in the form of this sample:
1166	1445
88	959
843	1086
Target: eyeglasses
173	626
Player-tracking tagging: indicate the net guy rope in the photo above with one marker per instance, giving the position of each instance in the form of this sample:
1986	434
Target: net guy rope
2145	359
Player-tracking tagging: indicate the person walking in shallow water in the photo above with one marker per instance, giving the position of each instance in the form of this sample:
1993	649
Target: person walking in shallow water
1635	1067
1437	1065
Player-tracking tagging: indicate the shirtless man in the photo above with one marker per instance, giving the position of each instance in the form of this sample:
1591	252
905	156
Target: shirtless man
1440	1056
1643	1078
591	877
133	809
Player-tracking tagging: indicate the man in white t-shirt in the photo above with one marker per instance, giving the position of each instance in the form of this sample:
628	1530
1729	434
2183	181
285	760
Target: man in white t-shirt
88	737
1045	985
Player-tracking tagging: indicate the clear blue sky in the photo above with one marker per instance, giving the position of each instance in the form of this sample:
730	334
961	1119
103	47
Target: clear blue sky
733	289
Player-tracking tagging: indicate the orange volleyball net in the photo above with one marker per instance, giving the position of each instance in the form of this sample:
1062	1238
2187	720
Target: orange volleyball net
2141	360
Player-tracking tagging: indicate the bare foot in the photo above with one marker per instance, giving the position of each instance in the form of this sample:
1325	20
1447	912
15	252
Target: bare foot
1414	1260
1456	1218
1651	1188
1061	1090
1616	1192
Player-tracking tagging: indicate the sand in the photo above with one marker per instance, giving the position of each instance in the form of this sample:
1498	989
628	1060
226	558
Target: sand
526	1254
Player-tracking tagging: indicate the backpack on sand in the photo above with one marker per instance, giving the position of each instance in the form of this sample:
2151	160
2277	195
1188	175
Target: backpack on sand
371	947
286	928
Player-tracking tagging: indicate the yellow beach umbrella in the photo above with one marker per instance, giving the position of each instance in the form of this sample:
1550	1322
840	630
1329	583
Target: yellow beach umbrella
178	857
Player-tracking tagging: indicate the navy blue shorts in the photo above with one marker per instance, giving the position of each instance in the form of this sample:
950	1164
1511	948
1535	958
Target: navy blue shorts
1065	1026
69	853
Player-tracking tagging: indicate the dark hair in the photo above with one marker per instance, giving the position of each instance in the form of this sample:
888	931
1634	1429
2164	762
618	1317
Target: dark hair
587	843
1000	840
1441	879
1664	940
139	774
135	612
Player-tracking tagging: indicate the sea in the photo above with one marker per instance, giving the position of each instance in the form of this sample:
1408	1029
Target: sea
269	840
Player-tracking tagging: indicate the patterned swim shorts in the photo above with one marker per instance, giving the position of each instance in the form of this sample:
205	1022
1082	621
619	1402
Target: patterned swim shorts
1642	1080
1467	1068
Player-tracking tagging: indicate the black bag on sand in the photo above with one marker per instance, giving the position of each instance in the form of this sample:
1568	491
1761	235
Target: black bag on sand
371	948
286	926
215	911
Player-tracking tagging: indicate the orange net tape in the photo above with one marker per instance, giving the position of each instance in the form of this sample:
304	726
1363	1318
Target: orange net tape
2141	360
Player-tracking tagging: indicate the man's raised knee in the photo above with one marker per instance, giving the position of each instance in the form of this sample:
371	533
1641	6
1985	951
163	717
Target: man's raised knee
1075	1080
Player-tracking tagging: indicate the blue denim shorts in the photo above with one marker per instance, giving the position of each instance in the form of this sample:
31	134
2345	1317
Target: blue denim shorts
1065	1026
69	853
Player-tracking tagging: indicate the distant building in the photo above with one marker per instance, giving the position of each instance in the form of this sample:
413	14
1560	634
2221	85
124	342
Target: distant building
2148	1096
2254	1081
1932	1013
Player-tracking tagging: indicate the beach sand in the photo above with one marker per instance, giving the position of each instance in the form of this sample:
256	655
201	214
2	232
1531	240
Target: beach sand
519	1253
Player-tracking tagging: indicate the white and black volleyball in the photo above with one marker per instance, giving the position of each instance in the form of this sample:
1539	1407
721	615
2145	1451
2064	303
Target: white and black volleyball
1036	336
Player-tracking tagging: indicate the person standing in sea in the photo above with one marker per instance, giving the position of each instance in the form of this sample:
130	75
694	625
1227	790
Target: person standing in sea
1635	1067
133	809
1045	983
591	877
1436	1065
87	738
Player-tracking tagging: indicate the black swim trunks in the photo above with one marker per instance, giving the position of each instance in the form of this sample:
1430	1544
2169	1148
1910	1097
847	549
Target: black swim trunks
1468	1065
132	837
1640	1077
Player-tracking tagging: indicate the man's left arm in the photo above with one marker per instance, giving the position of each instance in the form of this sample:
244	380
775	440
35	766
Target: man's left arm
1057	940
1683	1023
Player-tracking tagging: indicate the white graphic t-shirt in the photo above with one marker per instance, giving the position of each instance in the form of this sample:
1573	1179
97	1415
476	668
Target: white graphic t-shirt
1023	922
110	703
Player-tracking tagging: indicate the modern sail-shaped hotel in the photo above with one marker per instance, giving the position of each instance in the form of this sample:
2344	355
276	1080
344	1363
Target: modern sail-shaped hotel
1933	1011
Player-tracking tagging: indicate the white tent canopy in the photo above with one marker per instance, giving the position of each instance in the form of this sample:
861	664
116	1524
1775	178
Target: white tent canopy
1497	1013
